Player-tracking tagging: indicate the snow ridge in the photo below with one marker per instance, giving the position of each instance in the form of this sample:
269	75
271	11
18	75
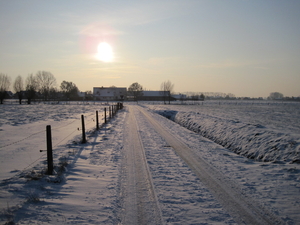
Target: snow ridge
254	141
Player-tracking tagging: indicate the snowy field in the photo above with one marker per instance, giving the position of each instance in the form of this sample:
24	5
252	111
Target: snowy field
87	185
266	131
23	131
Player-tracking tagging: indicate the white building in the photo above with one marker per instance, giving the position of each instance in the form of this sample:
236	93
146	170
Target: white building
109	93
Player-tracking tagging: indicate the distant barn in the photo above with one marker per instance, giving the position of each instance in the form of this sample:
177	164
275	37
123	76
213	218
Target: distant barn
109	93
155	96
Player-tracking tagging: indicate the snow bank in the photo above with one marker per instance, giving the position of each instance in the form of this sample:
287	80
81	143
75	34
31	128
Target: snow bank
253	140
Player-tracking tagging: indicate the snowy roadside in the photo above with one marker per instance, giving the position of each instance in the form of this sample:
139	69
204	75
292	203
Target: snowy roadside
23	132
258	138
275	185
89	190
83	190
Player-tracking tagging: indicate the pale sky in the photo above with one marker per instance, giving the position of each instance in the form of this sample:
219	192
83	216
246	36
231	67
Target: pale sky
245	47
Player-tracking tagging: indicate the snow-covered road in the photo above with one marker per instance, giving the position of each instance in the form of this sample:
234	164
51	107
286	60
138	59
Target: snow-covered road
140	201
142	168
242	209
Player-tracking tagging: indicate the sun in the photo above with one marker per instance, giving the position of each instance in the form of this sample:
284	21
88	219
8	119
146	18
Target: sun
105	52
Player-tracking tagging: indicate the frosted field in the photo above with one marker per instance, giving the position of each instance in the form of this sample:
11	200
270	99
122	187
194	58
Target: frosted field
266	131
89	190
23	131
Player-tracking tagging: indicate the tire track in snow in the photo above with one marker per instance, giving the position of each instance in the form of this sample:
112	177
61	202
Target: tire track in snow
243	210
140	201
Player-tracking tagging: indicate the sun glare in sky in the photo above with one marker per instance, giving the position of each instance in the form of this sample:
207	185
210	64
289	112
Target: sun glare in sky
105	52
247	48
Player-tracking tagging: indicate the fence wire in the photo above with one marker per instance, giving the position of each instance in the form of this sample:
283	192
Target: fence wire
89	120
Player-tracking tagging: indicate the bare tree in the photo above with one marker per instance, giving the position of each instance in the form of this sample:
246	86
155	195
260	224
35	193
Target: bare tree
275	96
69	90
19	88
31	87
45	81
166	89
136	90
4	86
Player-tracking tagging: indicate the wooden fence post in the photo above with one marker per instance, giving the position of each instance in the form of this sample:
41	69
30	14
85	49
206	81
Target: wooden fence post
105	115
49	150
97	121
83	130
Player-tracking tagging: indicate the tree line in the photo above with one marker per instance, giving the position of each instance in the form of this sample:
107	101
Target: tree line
41	85
166	90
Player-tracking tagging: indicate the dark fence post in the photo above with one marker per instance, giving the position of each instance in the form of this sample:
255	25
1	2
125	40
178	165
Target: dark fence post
97	121
83	130
49	150
109	112
104	115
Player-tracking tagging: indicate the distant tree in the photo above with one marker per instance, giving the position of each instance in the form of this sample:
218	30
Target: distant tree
69	90
195	97
88	95
31	87
4	86
45	81
202	97
19	88
53	94
230	96
136	90
275	95
166	89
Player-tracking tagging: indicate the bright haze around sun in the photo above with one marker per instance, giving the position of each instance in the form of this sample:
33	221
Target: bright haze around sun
247	48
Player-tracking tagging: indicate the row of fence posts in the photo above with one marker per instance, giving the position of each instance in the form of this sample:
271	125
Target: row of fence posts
112	111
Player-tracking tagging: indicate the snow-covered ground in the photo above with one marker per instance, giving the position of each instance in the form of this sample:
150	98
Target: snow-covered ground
89	186
23	131
267	132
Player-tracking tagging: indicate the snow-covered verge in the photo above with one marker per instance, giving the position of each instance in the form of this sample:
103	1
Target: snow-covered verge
275	185
84	186
23	132
267	133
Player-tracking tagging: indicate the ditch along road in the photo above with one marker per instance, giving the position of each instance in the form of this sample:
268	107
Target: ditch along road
144	200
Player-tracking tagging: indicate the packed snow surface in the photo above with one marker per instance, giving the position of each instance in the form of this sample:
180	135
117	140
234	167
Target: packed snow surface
91	183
